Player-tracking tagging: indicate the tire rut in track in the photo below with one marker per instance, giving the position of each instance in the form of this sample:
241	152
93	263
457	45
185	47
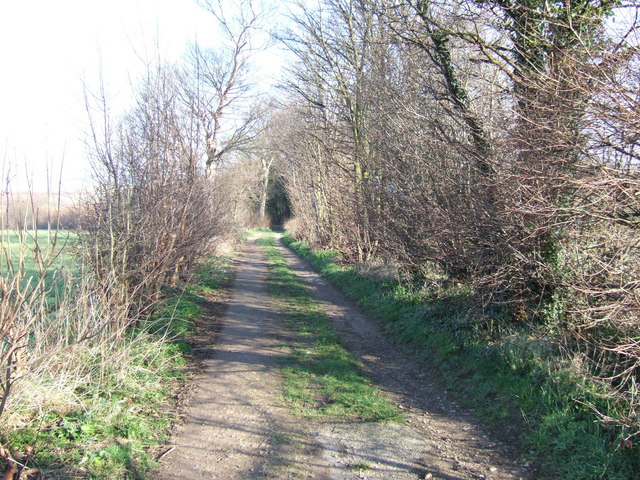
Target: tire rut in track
457	446
237	426
235	422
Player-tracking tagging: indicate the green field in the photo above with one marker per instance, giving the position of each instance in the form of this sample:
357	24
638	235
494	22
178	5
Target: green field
29	254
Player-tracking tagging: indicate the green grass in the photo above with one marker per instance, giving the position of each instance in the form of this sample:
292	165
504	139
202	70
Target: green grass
321	377
182	307
125	414
214	273
509	376
19	251
111	438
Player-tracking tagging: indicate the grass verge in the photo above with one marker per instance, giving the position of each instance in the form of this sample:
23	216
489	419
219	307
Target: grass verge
108	424
508	376
320	376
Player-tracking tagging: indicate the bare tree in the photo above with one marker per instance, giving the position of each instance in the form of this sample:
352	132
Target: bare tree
216	81
336	47
497	140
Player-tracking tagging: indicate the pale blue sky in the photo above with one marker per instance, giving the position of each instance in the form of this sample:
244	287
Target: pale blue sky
48	49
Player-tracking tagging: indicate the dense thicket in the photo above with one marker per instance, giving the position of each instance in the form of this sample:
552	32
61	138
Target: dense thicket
495	141
166	175
151	213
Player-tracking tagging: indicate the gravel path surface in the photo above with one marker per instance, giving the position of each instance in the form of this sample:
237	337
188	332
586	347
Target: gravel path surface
237	426
458	447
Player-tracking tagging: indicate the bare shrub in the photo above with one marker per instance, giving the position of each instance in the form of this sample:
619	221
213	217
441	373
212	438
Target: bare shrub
25	263
51	315
152	213
69	345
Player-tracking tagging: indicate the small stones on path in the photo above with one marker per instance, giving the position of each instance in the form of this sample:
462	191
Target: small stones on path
238	428
457	444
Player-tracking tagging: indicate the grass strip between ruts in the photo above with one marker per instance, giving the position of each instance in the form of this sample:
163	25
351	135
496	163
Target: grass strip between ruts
321	378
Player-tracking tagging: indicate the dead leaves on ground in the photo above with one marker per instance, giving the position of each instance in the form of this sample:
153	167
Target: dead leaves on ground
17	469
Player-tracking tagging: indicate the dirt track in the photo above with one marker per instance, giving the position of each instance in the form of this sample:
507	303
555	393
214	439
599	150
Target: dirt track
237	426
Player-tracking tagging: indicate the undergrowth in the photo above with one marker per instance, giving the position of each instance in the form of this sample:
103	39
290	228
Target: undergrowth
108	418
511	377
320	376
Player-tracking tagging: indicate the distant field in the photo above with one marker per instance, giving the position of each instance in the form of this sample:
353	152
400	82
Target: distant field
19	251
